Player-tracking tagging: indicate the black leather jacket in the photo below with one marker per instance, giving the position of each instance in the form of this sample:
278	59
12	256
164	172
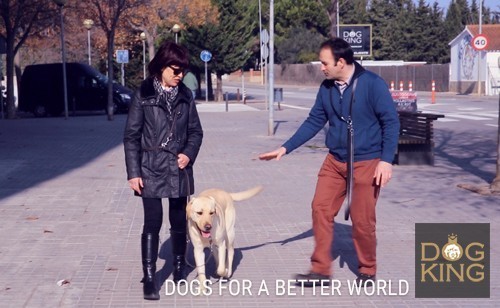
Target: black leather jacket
150	154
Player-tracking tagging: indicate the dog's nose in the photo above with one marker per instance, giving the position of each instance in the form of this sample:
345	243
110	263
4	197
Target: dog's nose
208	227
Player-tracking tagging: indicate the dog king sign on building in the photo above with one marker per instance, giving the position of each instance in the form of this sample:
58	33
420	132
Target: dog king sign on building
359	37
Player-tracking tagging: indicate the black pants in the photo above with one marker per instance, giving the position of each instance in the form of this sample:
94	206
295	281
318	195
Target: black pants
153	214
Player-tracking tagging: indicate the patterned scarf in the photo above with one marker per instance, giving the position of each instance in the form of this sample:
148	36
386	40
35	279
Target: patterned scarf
166	96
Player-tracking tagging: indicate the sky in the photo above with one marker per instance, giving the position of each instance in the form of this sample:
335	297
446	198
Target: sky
494	5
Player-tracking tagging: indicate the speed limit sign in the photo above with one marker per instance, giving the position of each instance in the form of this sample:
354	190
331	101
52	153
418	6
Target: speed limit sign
479	42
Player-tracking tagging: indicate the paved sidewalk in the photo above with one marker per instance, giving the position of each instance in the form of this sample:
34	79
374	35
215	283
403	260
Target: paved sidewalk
68	216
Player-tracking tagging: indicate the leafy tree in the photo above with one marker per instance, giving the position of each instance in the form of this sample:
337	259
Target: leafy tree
379	11
453	21
300	46
153	16
474	13
425	34
353	11
19	20
229	39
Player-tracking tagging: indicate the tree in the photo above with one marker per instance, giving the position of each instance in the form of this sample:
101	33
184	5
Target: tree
19	20
379	12
108	13
229	39
299	46
426	23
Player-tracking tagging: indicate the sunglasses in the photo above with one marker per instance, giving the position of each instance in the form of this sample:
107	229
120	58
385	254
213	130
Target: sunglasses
177	71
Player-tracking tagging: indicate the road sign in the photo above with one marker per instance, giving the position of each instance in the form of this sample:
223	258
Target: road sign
479	42
264	36
265	52
205	56
122	56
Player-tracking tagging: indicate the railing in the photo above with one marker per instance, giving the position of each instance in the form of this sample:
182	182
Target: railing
493	81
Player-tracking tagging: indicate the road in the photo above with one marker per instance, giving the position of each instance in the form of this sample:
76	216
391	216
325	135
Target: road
462	112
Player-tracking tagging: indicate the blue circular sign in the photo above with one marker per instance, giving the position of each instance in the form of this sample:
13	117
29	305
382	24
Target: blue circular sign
205	56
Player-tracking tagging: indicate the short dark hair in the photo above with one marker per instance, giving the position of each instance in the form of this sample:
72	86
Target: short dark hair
339	49
168	54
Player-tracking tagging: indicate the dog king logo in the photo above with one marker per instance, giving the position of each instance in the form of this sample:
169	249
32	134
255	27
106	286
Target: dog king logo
452	260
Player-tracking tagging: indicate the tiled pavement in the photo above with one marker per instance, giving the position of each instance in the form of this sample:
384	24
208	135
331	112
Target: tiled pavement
68	216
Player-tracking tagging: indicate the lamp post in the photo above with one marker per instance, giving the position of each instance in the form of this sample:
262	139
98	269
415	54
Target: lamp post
143	38
176	28
88	23
61	4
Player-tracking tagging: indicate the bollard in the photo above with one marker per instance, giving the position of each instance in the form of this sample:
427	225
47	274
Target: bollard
401	86
392	85
238	95
410	86
244	96
433	93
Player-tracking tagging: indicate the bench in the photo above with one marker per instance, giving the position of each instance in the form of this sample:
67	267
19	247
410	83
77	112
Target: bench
416	138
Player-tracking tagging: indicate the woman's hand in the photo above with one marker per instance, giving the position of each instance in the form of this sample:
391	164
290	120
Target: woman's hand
182	160
136	184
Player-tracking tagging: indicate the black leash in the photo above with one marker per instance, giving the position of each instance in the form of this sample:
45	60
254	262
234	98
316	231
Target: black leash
350	154
350	151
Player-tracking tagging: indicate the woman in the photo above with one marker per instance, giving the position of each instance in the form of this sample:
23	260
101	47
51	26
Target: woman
162	138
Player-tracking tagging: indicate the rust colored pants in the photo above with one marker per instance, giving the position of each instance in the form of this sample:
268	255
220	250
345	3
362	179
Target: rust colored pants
328	198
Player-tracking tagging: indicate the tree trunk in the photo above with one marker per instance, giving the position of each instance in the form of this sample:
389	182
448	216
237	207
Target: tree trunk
332	15
9	66
218	95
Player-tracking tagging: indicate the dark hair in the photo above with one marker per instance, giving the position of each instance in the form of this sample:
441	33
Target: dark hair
168	54
339	49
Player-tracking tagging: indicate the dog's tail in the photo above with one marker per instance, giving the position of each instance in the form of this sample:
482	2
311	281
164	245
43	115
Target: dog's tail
247	194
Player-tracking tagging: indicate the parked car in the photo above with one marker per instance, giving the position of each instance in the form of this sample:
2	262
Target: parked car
42	91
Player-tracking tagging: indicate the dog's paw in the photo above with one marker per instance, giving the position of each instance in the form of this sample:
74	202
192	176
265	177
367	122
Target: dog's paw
222	273
202	287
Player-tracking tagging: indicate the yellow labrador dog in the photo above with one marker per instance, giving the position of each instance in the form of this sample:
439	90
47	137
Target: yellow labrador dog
211	217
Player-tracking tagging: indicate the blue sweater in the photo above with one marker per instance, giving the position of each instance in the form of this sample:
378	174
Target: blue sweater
374	116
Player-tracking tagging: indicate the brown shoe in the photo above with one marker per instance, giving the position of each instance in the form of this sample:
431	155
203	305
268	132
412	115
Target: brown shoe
365	280
312	279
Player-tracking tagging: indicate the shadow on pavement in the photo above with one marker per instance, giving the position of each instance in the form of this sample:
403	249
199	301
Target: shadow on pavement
471	151
35	150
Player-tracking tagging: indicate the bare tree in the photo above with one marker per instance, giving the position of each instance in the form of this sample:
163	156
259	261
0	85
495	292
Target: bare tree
18	20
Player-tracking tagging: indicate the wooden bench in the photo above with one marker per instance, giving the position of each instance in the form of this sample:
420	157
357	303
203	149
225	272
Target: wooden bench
416	138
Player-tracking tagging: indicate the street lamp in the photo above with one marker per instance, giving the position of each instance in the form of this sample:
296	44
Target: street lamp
88	23
143	38
61	4
176	28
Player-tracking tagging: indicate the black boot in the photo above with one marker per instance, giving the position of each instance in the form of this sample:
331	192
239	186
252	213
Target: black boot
179	250
149	249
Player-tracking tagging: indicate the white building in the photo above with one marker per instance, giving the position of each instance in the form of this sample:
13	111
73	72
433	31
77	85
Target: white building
468	65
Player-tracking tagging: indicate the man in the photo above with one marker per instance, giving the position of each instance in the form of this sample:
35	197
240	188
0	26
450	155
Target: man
191	82
348	92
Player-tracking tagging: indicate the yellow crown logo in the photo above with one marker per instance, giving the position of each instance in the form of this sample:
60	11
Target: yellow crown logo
452	238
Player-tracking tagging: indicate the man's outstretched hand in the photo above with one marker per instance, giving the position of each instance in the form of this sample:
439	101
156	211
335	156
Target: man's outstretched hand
274	154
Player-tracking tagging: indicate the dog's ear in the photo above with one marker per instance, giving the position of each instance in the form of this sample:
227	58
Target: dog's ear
188	208
216	205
